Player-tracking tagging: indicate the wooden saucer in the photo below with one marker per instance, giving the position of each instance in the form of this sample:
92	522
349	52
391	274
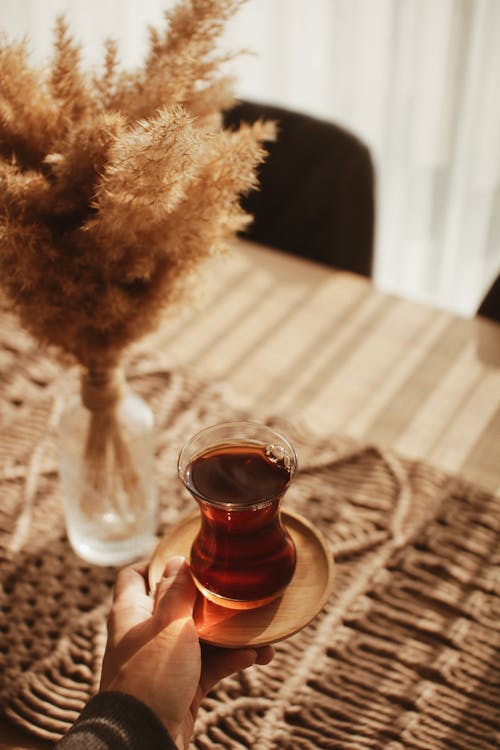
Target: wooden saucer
304	597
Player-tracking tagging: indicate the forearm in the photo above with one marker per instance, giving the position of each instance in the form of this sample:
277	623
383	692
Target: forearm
116	721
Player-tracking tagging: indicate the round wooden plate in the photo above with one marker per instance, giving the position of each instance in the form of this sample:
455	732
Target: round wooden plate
304	597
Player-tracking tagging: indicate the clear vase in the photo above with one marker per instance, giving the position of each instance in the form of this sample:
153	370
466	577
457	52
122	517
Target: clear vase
107	444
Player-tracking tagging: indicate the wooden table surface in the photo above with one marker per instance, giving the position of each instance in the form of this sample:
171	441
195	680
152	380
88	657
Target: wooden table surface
299	339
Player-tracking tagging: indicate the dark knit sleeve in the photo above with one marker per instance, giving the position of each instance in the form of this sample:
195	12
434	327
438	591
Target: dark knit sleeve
116	721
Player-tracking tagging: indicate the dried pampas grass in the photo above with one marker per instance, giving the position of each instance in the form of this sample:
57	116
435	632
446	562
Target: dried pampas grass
115	186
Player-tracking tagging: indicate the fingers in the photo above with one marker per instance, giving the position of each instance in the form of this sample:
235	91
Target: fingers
265	655
176	592
218	663
131	604
130	582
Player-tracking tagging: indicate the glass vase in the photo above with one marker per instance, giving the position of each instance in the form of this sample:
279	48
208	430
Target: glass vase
107	444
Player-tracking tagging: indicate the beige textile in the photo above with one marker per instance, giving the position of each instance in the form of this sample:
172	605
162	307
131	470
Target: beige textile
404	654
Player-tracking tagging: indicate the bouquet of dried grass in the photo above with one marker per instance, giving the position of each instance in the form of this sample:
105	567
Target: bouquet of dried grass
113	188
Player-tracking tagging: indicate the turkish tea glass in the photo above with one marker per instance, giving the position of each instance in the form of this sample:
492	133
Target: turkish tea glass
238	472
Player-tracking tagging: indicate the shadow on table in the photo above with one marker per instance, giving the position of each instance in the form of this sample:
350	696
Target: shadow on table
487	334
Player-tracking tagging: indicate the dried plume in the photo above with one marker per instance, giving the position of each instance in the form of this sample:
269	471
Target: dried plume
114	187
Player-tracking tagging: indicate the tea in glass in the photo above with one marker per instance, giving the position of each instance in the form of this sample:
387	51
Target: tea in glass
238	472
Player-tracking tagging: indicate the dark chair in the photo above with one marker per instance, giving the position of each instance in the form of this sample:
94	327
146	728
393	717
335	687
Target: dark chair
317	190
490	306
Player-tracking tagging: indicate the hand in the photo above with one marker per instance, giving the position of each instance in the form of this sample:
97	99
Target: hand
153	651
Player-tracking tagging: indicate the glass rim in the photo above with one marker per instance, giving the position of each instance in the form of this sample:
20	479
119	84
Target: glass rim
231	440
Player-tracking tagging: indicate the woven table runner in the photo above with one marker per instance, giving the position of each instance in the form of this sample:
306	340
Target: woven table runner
404	654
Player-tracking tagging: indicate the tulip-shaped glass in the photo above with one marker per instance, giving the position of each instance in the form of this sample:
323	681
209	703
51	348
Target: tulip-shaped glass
238	472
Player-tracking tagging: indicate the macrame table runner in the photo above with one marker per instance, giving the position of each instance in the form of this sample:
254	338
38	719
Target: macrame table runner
404	654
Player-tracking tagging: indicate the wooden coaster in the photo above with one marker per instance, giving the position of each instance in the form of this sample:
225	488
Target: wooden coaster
304	597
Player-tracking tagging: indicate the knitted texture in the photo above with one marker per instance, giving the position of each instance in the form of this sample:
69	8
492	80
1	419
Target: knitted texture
403	655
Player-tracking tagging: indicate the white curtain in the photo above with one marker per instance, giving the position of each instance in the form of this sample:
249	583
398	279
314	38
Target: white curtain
418	80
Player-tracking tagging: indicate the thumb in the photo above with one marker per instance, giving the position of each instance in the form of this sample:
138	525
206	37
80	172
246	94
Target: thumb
175	594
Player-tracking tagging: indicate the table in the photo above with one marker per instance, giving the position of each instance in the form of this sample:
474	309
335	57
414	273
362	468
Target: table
296	337
292	337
